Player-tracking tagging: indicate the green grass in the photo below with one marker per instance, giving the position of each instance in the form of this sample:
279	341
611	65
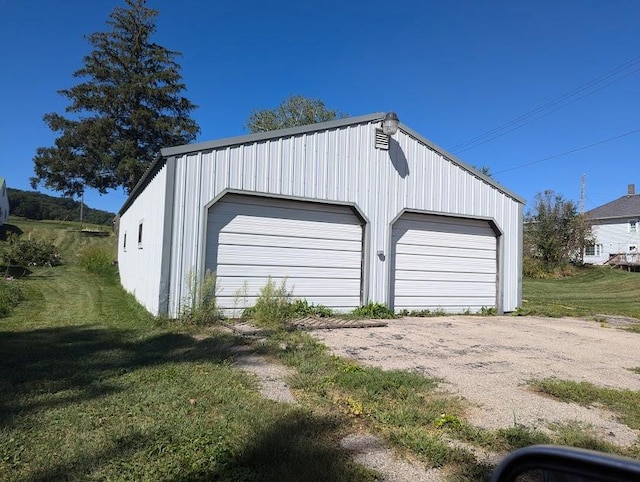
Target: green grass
624	403
404	408
591	291
93	387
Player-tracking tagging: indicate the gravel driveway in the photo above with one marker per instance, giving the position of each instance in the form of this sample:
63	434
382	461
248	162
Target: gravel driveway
488	361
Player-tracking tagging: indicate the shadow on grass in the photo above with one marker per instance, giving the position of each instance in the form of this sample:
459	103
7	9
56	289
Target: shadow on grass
6	229
298	447
80	467
47	368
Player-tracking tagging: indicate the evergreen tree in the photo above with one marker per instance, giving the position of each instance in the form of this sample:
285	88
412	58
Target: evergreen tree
126	108
294	111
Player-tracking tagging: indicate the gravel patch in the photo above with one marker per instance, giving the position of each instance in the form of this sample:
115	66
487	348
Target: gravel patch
488	361
371	452
271	376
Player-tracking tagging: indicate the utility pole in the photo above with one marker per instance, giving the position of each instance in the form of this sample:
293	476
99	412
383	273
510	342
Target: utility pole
582	194
81	207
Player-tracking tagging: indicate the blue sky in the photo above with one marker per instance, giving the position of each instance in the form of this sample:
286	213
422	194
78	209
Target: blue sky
452	71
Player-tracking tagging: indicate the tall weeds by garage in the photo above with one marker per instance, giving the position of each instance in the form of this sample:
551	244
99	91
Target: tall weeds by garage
201	304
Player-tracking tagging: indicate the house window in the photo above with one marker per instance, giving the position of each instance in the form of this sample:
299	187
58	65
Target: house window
140	235
594	250
633	226
124	243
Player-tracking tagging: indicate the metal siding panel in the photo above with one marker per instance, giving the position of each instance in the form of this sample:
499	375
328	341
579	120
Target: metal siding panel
140	266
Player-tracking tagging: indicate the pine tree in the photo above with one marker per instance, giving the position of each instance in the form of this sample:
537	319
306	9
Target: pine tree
127	107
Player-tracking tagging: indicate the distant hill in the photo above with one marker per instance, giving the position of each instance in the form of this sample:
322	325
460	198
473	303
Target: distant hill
35	205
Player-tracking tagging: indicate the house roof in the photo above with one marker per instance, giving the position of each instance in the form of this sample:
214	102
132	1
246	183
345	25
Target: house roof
624	207
262	136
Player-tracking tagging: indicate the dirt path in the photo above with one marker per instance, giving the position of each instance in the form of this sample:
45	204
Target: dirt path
365	449
488	361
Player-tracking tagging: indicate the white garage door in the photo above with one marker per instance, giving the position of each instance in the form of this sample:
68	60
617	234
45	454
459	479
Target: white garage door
443	263
316	247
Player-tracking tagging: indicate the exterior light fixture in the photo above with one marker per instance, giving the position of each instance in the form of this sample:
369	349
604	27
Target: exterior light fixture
390	123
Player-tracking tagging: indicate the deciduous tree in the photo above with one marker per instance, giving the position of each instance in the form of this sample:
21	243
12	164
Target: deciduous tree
128	105
294	111
555	233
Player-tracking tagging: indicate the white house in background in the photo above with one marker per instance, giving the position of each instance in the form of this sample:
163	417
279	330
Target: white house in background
4	202
616	228
344	212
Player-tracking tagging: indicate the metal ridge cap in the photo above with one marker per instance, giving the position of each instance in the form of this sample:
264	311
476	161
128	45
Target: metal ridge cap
262	136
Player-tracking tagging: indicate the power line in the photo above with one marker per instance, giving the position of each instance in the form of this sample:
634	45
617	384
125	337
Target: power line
554	105
569	152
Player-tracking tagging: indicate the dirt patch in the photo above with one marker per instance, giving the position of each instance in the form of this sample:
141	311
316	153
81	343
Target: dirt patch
489	360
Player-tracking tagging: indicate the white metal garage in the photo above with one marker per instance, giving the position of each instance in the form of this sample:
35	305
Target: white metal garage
316	247
443	263
318	205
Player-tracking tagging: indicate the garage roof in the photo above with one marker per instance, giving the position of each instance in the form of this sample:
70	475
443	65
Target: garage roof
294	131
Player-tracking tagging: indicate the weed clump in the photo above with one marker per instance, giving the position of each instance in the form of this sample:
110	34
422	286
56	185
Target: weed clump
373	310
200	307
276	306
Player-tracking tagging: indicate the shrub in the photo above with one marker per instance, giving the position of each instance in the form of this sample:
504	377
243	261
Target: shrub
537	269
10	295
30	252
303	308
373	310
201	305
97	259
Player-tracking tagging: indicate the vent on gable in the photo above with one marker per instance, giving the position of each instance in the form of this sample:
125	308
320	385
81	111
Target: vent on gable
382	140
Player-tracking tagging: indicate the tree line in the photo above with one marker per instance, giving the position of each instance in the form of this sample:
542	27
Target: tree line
38	206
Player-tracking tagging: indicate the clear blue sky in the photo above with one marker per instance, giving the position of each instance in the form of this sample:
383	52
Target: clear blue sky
451	70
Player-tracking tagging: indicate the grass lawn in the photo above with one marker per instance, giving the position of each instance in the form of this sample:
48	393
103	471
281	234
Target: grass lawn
92	387
592	291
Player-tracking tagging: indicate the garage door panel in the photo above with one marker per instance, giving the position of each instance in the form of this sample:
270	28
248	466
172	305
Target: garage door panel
443	263
444	242
241	271
264	256
316	247
438	263
280	241
447	304
418	275
445	223
234	305
444	288
466	227
301	287
242	224
439	252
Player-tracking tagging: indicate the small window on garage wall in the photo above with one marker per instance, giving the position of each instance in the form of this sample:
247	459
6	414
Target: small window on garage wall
140	234
124	242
